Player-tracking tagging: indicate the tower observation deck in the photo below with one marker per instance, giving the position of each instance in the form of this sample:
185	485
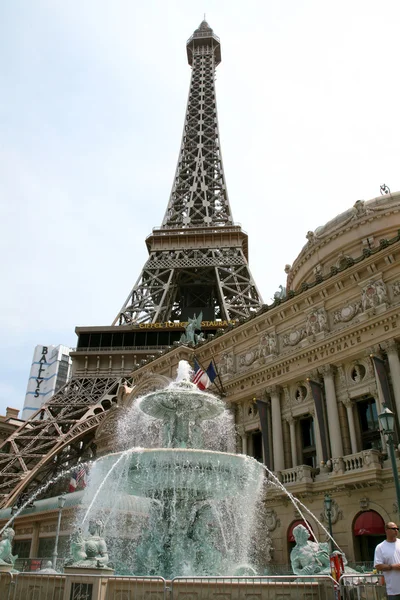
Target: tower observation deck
198	258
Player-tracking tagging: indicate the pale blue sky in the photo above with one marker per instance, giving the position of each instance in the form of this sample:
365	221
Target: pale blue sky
92	103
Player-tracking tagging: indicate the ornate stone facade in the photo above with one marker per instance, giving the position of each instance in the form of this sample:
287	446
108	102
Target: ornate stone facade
321	335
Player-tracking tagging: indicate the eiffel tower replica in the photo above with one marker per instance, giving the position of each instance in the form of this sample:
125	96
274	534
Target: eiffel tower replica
197	265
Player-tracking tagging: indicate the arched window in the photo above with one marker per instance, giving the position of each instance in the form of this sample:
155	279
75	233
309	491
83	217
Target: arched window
368	531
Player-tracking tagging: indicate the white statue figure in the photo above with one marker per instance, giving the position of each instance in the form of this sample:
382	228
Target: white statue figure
373	294
322	320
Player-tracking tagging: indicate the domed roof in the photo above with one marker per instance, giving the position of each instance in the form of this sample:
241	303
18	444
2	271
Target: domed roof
345	236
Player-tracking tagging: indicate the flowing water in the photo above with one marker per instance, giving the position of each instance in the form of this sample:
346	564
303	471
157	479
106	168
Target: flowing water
179	501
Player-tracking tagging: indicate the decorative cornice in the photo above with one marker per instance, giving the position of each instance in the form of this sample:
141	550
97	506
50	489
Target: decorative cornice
305	286
316	241
319	351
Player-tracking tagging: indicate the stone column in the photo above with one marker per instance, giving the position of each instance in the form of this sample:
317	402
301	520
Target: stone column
394	364
332	411
277	436
350	417
317	433
244	437
292	426
34	549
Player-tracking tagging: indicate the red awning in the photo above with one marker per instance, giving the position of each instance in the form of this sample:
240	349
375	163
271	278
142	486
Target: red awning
369	523
290	535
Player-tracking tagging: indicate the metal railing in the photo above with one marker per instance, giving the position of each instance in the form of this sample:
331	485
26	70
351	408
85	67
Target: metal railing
362	586
83	586
120	348
290	587
6	584
48	586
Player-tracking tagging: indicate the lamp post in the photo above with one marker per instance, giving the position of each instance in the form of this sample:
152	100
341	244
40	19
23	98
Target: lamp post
328	508
386	421
61	502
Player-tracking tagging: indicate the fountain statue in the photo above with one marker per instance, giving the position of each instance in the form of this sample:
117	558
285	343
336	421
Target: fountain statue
312	558
6	556
184	504
91	551
307	557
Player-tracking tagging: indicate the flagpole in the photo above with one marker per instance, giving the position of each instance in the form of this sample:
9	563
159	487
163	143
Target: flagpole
205	371
223	392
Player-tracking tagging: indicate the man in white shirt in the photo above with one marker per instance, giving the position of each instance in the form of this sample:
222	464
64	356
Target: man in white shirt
387	560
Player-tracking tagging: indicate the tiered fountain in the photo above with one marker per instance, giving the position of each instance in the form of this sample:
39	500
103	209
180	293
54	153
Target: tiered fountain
183	508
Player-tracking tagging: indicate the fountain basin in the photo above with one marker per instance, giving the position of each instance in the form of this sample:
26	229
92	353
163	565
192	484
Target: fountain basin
201	473
181	398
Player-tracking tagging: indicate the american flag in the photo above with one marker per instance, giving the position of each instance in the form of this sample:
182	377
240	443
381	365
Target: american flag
79	474
203	379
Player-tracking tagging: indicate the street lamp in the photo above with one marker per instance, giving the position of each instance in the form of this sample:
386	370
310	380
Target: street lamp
328	508
61	502
386	421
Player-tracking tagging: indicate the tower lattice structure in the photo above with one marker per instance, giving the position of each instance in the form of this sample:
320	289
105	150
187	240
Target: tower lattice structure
198	262
198	258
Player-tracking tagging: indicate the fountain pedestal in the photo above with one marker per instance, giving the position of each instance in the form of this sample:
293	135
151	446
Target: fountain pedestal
86	583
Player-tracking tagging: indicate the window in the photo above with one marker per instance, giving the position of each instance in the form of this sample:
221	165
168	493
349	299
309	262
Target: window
369	425
308	442
256	446
46	547
21	548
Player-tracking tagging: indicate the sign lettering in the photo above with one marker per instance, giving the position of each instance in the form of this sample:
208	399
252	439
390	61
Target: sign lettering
183	324
39	379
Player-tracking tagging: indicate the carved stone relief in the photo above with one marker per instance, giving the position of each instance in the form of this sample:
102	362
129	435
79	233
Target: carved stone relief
294	337
373	294
249	357
268	344
396	288
300	393
251	411
317	322
342	260
226	364
341	380
357	373
346	313
286	399
360	210
271	519
336	513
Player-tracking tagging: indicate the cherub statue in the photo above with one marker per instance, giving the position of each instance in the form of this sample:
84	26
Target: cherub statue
6	557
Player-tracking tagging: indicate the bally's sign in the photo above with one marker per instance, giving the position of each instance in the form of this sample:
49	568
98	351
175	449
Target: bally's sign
39	378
